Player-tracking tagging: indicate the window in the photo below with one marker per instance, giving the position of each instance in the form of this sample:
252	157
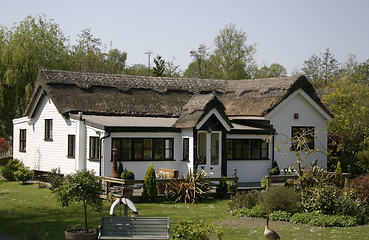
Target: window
48	129
22	140
247	149
186	149
94	148
71	145
143	148
302	138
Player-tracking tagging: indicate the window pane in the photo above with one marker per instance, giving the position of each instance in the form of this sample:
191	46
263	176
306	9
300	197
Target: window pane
202	148
158	149
245	149
237	145
186	149
255	149
71	145
147	149
125	153
138	148
214	148
264	149
168	148
229	149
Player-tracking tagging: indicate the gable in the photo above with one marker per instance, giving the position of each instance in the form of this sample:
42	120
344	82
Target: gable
300	103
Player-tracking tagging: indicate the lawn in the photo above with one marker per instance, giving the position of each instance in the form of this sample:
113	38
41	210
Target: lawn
27	212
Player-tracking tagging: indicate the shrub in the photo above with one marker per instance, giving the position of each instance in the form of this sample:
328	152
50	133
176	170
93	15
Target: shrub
320	199
120	169
338	179
352	207
256	211
361	185
150	190
23	173
280	216
55	178
83	186
281	198
10	168
244	200
200	230
222	189
4	145
190	189
314	176
275	169
322	220
127	175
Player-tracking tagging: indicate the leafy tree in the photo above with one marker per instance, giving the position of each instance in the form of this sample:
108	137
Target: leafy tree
349	102
273	71
233	54
116	61
200	66
159	68
84	187
171	70
321	70
137	69
33	43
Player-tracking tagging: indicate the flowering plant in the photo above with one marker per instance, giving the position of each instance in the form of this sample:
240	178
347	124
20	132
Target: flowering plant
4	145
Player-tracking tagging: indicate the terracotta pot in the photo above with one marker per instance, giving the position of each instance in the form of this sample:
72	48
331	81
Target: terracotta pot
78	234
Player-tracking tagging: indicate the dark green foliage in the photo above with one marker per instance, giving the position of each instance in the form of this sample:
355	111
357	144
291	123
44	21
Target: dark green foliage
339	180
280	216
361	186
199	230
23	173
127	175
9	169
256	211
322	220
150	190
245	199
222	189
159	68
314	176
84	187
55	178
281	198
352	207
120	169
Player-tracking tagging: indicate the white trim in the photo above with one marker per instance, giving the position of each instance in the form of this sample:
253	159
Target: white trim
217	114
307	98
21	120
38	97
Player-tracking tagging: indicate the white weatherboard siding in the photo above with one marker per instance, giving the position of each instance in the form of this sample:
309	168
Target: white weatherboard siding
249	170
283	120
187	166
140	167
40	154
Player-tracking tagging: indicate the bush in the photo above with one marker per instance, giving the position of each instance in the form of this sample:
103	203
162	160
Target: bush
322	220
200	230
190	189
55	178
275	169
256	211
352	207
244	200
150	190
281	199
321	199
23	173
222	189
280	216
10	168
127	175
338	179
361	186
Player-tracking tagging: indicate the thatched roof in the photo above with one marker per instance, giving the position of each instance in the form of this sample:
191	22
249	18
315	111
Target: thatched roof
123	95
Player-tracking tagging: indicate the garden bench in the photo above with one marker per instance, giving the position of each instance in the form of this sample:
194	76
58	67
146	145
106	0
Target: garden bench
155	228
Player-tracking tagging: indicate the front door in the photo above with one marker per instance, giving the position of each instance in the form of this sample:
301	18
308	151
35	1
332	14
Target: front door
209	152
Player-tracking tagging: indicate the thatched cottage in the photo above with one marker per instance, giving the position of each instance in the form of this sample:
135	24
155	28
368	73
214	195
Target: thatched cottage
75	119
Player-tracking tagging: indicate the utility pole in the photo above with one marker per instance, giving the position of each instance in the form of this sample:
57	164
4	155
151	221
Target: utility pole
148	54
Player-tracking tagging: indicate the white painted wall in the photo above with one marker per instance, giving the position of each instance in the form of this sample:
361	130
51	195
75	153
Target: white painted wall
45	155
283	119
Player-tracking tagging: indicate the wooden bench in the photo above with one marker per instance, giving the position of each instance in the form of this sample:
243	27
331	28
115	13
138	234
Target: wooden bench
155	228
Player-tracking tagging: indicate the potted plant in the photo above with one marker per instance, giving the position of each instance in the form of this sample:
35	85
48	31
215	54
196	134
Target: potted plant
85	187
275	169
127	188
161	184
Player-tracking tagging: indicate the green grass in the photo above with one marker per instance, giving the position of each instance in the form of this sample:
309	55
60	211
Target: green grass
27	211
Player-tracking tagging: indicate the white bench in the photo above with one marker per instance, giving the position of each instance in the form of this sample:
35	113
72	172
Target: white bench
154	228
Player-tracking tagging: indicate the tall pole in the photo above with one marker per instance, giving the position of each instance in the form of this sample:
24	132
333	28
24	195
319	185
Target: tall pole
148	54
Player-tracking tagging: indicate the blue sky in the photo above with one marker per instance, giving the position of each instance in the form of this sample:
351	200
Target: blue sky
284	31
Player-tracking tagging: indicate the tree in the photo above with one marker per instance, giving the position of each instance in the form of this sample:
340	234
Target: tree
150	190
321	70
87	54
200	66
159	68
116	61
84	187
273	71
349	102
233	54
137	69
33	43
